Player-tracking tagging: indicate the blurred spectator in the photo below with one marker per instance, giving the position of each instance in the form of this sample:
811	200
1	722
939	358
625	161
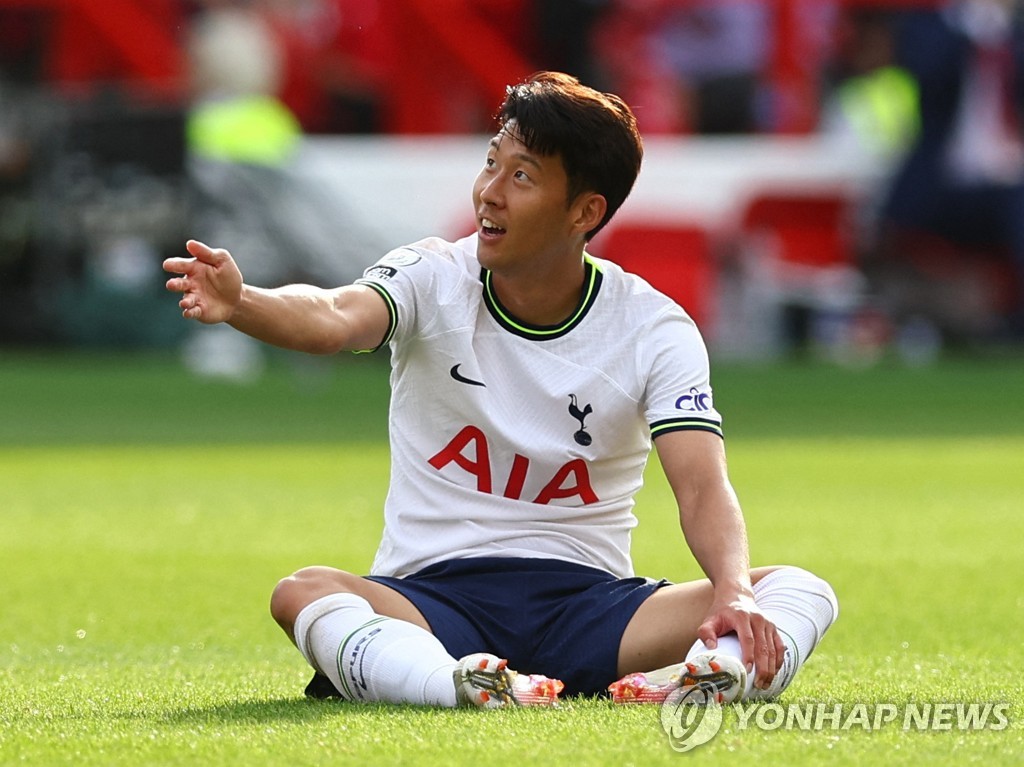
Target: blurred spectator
629	62
712	67
956	206
720	51
250	192
688	65
235	72
870	103
332	73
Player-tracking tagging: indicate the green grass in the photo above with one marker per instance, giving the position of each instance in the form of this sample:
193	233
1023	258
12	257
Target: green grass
145	516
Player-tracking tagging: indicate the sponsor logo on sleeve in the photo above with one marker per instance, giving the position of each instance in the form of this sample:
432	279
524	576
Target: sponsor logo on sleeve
399	258
388	266
381	272
695	401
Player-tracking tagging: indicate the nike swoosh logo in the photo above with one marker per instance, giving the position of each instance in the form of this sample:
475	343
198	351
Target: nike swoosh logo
462	379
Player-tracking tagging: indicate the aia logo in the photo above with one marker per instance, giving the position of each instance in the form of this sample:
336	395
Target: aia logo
694	402
470	453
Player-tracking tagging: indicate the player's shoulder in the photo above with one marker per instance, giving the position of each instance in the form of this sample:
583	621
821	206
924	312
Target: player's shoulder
632	293
427	259
460	252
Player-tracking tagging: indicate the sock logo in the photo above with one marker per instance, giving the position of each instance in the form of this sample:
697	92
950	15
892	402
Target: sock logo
350	661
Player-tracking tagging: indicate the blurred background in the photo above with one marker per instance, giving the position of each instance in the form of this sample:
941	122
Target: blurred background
836	178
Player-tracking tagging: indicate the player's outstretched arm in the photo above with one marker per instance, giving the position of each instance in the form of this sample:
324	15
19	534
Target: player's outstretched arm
712	521
299	317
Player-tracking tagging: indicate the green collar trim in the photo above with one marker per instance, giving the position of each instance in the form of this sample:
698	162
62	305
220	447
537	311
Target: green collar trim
592	278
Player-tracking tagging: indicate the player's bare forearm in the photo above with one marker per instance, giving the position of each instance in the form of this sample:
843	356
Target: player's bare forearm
712	522
299	317
717	536
709	512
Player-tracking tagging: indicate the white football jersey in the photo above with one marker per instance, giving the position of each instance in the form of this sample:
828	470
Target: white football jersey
514	440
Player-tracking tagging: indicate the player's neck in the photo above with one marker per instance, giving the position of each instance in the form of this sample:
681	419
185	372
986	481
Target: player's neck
546	298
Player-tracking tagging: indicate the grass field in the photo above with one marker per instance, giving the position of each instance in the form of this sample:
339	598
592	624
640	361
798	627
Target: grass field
146	515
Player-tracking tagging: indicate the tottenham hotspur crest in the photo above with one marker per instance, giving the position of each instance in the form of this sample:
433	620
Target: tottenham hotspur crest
581	437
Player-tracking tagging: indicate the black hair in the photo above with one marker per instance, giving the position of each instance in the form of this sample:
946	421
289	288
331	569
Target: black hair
594	133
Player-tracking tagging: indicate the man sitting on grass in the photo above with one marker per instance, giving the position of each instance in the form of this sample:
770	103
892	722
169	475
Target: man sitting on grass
529	382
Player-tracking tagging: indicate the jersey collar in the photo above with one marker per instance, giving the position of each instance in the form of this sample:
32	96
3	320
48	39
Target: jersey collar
592	277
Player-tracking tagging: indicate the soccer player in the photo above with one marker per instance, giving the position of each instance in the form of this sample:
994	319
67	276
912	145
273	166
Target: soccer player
529	381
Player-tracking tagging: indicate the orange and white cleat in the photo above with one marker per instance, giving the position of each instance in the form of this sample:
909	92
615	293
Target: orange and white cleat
722	676
485	681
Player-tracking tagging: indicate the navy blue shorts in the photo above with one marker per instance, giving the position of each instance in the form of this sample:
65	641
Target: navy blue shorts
545	616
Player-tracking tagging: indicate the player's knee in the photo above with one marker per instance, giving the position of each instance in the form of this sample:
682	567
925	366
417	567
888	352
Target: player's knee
303	587
281	601
826	590
802	580
814	584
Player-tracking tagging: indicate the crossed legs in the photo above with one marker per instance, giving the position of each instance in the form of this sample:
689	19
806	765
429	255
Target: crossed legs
661	633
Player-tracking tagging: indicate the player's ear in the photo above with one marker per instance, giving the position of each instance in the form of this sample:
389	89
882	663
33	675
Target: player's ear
589	208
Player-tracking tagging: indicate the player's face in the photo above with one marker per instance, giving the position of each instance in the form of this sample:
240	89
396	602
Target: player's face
522	213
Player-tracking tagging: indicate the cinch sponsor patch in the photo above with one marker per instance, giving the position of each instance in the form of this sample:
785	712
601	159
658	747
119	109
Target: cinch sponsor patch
695	401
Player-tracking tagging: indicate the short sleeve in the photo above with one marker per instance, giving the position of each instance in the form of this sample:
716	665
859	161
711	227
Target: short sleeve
678	394
401	277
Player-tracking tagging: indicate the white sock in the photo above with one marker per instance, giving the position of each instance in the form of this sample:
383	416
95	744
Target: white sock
802	606
371	657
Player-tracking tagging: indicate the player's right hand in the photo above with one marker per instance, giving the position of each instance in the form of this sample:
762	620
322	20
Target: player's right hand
759	639
210	283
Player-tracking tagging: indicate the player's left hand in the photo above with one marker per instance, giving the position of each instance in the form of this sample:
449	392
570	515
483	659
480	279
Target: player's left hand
760	642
